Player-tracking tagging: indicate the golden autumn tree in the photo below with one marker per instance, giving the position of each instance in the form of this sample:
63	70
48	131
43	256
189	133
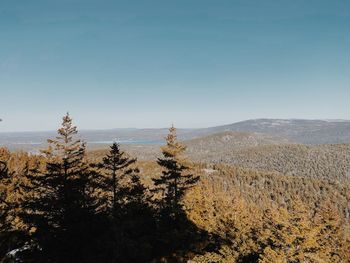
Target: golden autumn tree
13	183
229	216
5	206
289	236
334	246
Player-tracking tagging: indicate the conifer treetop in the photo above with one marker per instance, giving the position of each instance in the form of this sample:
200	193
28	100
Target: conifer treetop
66	141
173	148
176	177
116	159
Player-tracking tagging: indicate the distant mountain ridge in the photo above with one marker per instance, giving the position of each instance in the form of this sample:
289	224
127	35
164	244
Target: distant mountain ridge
297	130
294	130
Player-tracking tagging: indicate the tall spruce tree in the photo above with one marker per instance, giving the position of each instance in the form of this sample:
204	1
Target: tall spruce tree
125	204
116	166
175	178
61	205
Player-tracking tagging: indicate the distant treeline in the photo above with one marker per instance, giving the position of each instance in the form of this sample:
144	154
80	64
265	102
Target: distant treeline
65	205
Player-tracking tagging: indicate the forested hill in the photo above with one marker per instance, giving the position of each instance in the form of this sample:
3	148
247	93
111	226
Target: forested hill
261	152
69	204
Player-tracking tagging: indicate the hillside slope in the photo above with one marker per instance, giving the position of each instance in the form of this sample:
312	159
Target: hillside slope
301	131
217	144
321	161
261	152
229	140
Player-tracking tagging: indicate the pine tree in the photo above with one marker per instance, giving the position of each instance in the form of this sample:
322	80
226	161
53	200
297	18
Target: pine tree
175	178
125	204
117	166
61	204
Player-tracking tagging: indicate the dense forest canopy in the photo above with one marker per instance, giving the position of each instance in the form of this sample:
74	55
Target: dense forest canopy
68	204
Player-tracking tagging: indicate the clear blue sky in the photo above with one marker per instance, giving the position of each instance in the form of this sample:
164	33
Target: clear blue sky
149	63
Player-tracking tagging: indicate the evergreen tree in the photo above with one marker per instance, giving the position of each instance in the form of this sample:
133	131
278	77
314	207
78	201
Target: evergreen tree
175	178
125	204
116	166
61	204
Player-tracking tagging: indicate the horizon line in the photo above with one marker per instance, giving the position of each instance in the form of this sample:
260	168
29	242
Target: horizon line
180	128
